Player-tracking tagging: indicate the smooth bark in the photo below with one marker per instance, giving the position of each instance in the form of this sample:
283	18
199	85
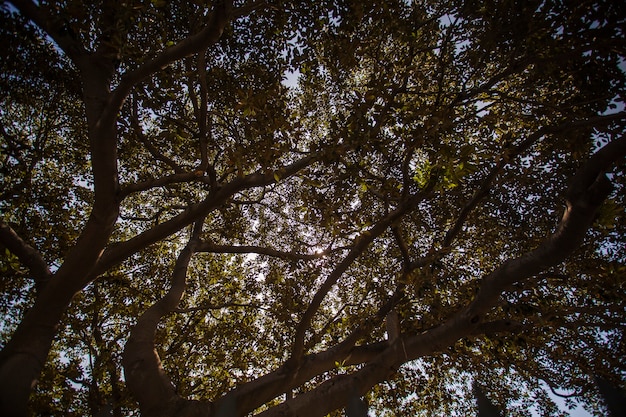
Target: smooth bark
23	357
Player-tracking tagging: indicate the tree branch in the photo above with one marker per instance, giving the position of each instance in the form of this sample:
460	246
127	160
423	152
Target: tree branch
404	250
28	255
588	190
55	29
360	245
178	178
158	155
255	393
249	8
202	114
144	374
202	40
205	307
245	398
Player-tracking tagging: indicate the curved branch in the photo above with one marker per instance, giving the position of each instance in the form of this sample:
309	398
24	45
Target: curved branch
208	307
404	249
551	385
379	359
56	30
588	190
144	374
255	393
28	255
361	244
498	326
178	178
156	153
202	40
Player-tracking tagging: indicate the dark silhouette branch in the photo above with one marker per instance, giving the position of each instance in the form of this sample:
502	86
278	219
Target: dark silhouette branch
216	22
255	393
154	151
404	249
27	255
208	306
360	245
588	190
56	29
180	178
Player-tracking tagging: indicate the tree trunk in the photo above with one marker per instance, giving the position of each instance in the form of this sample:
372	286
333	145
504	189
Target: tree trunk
24	356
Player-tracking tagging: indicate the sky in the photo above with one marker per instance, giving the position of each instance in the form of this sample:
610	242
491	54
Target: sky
577	412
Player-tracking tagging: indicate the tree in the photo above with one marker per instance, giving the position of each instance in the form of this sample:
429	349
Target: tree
186	234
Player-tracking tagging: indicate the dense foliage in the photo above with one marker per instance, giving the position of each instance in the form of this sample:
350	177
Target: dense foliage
288	208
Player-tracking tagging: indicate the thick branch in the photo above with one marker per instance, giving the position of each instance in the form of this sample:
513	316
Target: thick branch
255	393
28	256
334	393
54	28
588	190
145	376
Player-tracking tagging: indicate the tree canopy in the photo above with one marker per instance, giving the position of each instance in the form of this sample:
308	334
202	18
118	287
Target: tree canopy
286	208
